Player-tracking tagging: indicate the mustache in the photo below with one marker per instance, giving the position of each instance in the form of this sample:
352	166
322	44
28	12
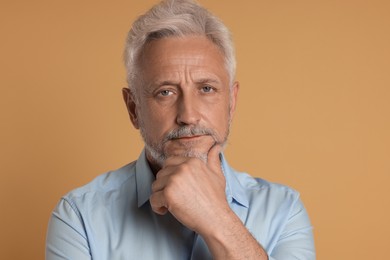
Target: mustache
187	131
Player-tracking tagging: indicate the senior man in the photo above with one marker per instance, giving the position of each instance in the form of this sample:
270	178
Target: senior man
180	199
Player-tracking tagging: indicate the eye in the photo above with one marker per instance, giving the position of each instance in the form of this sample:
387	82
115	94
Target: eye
207	89
165	93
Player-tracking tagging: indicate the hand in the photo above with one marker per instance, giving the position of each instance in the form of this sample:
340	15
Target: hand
192	191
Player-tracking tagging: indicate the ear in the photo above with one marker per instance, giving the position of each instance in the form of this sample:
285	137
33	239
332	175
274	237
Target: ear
233	97
131	106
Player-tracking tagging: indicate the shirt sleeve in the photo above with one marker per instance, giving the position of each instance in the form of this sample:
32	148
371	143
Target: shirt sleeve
66	237
296	240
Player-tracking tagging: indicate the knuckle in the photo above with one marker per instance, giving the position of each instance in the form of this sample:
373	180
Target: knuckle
184	167
154	186
174	180
152	200
170	197
169	193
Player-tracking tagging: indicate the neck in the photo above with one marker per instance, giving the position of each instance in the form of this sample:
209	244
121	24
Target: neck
154	166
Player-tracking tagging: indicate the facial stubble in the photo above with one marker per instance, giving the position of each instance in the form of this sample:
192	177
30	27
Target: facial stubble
155	150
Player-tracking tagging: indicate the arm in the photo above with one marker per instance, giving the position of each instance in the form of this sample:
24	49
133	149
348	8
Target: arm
194	192
296	240
66	238
231	240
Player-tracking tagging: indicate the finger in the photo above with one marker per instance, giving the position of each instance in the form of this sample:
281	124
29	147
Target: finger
174	160
160	183
157	202
165	171
213	160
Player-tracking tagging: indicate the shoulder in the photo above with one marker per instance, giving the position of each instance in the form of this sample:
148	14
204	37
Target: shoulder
277	218
247	189
260	189
273	210
99	201
105	185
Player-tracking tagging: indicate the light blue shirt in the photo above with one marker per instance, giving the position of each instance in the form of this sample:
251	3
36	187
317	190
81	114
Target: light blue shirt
111	218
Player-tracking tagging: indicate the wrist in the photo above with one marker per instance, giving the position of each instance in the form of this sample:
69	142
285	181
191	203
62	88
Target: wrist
230	239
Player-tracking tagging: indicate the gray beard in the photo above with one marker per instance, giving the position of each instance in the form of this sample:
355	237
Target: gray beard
156	150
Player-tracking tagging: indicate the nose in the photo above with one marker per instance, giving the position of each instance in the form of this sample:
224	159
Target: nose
188	113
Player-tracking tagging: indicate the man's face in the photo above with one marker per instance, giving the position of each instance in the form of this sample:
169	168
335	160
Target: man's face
185	101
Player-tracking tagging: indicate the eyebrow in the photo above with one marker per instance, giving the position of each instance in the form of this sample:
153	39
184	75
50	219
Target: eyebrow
207	80
177	83
166	82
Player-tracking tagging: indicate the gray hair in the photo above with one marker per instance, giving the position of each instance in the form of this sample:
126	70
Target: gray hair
178	18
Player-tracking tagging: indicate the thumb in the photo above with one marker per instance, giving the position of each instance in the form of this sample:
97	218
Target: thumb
213	160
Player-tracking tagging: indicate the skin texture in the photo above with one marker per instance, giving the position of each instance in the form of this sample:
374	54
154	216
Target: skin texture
185	86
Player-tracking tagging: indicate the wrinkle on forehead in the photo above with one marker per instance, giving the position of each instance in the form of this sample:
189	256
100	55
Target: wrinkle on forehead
189	62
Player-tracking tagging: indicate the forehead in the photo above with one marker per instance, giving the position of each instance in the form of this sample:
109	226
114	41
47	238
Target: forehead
172	55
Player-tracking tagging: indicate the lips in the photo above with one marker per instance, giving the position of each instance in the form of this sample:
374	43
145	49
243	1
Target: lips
190	137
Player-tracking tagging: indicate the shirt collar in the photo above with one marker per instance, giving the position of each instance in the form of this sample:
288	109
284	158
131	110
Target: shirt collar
144	179
235	192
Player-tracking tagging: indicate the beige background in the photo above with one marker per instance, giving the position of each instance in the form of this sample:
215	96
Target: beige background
313	110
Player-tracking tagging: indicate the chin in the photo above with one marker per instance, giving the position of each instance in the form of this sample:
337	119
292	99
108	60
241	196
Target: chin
198	146
189	152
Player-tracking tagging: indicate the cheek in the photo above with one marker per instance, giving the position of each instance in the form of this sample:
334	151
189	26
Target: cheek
219	119
150	114
157	122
